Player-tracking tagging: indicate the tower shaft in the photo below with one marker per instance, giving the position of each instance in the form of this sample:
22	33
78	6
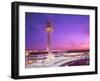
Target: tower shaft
49	42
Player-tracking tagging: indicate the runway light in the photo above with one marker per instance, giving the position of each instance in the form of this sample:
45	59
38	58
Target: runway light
30	62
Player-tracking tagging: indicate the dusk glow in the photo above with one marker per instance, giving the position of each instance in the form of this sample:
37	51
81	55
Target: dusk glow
71	32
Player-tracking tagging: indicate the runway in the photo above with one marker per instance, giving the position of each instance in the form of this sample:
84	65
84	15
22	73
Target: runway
59	60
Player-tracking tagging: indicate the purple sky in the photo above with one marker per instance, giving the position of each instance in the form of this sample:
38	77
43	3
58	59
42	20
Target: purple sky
70	31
